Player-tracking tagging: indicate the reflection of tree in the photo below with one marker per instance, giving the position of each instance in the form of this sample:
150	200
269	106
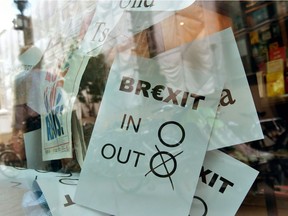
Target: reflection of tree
93	82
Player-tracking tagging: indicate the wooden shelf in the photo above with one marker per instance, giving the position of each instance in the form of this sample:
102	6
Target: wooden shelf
262	24
257	7
275	99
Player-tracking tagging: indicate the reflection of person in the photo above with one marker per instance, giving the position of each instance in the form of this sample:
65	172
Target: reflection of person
26	97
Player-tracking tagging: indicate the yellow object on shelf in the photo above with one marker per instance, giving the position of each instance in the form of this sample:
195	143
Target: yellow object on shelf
275	78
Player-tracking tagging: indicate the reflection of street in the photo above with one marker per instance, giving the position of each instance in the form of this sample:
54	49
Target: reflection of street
168	173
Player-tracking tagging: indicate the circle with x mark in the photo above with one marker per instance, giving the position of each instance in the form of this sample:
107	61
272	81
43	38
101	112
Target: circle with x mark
165	158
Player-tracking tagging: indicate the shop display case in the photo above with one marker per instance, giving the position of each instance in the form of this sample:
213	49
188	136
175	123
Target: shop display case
89	92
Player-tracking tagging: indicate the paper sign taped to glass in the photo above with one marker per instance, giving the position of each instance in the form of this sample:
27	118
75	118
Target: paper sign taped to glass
59	192
150	138
219	184
58	91
237	120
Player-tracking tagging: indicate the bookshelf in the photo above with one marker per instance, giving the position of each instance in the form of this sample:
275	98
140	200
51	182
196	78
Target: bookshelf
261	28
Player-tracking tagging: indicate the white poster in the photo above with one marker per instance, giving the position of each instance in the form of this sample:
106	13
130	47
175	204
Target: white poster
237	120
60	86
223	184
149	140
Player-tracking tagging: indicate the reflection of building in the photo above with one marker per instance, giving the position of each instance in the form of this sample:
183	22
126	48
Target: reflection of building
9	65
10	40
8	69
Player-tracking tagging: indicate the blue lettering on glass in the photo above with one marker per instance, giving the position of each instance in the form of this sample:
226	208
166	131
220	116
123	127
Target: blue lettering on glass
54	127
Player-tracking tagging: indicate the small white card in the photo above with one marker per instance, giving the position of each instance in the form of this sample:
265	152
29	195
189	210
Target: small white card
223	184
33	149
